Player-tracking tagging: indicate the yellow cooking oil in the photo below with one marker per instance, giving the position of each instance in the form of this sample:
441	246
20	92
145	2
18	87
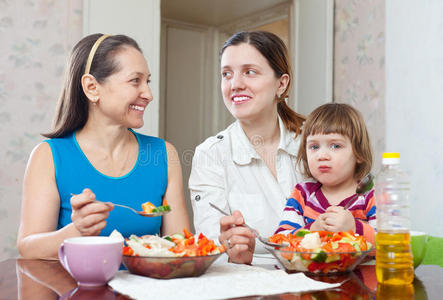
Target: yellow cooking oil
393	259
395	292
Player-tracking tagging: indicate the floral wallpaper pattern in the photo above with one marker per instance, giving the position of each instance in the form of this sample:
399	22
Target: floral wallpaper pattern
36	36
359	63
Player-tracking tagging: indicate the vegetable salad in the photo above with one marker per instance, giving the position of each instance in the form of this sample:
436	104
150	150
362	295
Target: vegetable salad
176	245
320	251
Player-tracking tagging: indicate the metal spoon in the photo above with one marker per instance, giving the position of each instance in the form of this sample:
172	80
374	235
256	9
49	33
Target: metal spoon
260	238
141	213
365	185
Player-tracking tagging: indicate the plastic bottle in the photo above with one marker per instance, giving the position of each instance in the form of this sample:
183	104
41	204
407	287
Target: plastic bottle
394	264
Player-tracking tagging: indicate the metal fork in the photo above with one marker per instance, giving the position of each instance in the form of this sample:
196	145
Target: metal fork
141	213
365	185
260	238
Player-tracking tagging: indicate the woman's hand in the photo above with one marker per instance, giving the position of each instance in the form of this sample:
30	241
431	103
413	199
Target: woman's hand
88	215
238	240
336	218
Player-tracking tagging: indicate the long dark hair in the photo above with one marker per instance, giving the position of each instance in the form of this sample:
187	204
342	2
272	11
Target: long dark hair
72	107
276	53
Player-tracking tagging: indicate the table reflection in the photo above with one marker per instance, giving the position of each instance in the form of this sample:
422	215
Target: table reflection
42	279
84	293
416	290
360	284
395	292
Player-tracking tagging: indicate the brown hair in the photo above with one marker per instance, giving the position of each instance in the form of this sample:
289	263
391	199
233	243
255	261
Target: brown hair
72	108
342	119
276	53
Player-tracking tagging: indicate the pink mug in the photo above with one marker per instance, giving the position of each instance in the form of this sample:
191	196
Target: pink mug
91	260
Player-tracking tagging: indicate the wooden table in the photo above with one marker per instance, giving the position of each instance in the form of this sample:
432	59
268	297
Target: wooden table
40	279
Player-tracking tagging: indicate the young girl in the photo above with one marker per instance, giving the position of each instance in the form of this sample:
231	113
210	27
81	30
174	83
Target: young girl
335	152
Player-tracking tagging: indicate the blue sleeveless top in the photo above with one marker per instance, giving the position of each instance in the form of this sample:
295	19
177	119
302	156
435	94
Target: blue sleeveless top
147	181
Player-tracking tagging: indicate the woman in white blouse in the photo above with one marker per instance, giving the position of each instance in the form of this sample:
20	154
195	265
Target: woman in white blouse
249	169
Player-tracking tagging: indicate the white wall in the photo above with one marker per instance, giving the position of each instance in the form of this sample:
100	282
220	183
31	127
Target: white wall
414	106
35	40
313	57
140	20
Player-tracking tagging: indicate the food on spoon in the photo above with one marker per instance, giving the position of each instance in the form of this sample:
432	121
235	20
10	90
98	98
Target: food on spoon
320	251
149	208
176	245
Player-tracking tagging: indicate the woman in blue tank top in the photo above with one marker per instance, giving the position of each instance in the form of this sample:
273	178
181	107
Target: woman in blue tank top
92	152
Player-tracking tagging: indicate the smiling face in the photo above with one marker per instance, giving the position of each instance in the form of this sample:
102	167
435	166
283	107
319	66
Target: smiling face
331	159
249	85
125	94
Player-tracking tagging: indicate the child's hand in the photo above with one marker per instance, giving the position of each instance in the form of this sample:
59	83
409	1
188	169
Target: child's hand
338	219
319	223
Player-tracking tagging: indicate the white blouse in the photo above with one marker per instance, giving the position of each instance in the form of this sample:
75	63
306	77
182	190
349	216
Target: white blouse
227	171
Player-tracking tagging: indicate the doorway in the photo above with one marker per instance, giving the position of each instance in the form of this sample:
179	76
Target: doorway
192	34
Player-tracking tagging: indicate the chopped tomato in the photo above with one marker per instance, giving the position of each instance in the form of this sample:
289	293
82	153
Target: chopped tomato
315	266
345	247
127	250
323	233
189	241
187	233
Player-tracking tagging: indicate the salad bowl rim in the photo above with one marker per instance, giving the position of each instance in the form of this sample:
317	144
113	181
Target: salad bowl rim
173	257
281	249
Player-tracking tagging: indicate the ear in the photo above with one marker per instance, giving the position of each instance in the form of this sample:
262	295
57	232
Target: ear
90	87
283	84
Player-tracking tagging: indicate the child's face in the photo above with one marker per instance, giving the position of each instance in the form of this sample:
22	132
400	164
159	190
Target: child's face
331	159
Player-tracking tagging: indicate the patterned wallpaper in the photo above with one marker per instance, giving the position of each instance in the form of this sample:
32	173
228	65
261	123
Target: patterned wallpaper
36	36
359	64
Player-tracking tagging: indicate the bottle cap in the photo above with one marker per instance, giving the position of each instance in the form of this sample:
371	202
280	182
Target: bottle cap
390	158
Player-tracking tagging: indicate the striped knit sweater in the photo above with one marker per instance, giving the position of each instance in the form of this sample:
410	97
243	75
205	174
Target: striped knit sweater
307	202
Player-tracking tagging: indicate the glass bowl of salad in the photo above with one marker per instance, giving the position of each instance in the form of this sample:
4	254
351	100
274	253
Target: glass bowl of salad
170	256
320	252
